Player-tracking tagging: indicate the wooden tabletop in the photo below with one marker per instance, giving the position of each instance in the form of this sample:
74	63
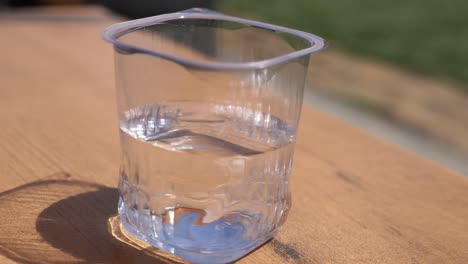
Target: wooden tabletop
356	199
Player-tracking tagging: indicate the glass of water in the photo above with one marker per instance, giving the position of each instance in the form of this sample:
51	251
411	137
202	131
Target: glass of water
209	106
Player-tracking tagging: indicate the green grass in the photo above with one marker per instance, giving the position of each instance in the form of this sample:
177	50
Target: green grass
426	36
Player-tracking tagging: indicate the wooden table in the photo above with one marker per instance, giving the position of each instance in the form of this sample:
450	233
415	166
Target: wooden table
356	199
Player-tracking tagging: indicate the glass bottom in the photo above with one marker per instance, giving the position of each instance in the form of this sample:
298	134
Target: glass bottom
199	236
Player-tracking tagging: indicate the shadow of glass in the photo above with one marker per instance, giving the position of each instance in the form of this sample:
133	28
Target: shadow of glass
63	220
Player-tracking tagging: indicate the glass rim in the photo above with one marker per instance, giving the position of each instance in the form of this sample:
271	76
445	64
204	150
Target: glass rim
113	32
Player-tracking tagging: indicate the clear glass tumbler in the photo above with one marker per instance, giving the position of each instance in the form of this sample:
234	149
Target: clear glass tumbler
209	106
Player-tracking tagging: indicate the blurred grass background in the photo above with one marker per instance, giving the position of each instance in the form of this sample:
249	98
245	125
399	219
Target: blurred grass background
398	69
426	36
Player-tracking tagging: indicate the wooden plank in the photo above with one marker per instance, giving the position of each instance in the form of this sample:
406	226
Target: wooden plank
356	199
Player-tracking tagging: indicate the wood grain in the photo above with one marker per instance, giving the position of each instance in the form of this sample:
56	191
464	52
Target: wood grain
356	199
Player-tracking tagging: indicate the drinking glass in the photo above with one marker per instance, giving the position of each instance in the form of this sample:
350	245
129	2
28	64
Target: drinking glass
209	106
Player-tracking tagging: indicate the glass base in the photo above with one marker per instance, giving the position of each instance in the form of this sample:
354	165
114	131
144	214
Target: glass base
219	254
117	230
